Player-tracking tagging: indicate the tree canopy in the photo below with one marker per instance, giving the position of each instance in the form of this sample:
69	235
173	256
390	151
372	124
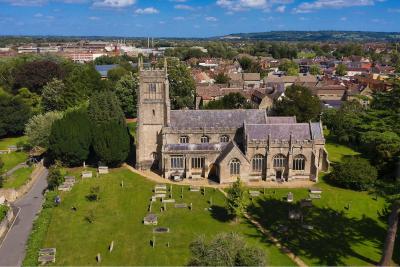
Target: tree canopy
181	86
125	89
300	102
71	138
236	202
229	101
225	249
14	113
38	128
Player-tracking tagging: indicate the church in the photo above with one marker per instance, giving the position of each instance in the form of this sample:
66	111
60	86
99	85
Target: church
222	144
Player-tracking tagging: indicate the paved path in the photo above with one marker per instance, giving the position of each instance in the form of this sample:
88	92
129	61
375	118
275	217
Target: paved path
12	250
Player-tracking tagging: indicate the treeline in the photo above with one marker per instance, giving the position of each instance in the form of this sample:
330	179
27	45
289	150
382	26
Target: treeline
373	131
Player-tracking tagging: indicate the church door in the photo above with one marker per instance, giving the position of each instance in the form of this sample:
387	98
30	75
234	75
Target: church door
278	175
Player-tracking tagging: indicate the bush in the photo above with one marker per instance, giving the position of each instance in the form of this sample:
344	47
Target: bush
55	178
226	249
354	173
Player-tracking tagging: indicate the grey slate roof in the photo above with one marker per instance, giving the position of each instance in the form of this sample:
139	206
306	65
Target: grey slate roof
281	120
216	118
299	131
316	130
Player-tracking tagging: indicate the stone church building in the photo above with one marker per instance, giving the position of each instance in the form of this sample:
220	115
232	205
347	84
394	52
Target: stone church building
222	144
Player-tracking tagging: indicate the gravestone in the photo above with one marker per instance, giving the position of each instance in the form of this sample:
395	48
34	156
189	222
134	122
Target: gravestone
111	247
181	205
150	219
103	169
87	174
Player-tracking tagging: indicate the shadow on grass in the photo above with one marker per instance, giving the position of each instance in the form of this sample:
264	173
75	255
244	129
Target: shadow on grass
333	235
220	213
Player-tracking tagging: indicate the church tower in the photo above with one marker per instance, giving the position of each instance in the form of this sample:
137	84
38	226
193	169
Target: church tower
153	114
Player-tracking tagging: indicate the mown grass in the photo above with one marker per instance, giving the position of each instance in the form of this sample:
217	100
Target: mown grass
18	178
11	141
117	216
12	159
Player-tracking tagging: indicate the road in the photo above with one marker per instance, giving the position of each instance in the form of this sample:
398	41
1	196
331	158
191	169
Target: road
12	250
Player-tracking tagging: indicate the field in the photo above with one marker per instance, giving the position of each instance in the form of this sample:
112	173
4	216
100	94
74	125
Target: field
6	142
18	178
118	216
12	159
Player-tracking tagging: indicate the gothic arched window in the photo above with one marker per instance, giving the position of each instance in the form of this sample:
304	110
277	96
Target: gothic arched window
205	139
224	139
279	160
258	163
184	139
299	163
234	167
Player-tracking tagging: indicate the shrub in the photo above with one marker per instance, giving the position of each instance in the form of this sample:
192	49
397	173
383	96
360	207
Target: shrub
226	249
354	173
55	178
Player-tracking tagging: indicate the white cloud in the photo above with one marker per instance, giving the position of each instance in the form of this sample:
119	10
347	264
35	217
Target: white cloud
240	5
281	9
38	15
93	18
179	18
178	1
211	19
113	3
343	18
307	7
394	10
147	11
183	7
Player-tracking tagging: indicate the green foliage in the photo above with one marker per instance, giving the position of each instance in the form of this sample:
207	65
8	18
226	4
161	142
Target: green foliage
282	51
315	70
225	249
354	173
83	81
55	178
30	99
34	75
1	164
93	194
117	73
104	107
229	101
14	113
290	67
125	89
300	102
111	141
341	70
184	53
236	201
57	96
182	86
71	137
221	78
38	128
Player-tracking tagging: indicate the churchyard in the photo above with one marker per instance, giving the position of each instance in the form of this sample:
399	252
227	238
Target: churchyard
339	227
80	228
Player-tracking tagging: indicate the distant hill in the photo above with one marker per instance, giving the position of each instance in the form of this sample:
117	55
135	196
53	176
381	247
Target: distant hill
317	36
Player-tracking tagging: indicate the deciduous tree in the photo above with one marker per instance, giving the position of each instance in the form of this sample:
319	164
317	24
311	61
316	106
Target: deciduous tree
38	128
236	202
225	249
125	89
182	86
300	102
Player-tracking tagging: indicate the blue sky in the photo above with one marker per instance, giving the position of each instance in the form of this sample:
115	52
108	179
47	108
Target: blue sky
193	18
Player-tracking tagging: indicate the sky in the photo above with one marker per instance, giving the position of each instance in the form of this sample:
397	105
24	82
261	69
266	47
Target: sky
193	18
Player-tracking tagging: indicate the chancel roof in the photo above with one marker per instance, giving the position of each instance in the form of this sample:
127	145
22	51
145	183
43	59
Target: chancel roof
216	118
299	131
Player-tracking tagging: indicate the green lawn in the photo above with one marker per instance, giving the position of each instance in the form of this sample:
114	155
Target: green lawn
118	217
6	142
341	236
12	159
18	178
337	152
